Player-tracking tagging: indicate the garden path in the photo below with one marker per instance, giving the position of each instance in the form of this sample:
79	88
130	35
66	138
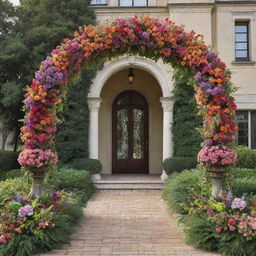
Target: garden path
128	222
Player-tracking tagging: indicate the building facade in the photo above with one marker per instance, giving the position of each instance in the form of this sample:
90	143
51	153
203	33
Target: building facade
130	128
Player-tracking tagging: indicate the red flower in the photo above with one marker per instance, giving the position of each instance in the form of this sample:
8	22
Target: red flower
231	222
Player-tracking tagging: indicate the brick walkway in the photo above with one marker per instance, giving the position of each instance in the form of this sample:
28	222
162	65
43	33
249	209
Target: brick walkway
128	222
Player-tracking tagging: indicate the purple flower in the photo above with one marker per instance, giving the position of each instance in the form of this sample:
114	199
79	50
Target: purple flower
145	35
238	203
20	198
27	210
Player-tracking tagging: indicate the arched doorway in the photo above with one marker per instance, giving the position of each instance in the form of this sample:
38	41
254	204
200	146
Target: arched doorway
130	133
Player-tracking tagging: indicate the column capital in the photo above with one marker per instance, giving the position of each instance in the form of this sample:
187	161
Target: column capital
94	103
167	103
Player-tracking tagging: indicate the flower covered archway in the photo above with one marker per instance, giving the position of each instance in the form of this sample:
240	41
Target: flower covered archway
148	37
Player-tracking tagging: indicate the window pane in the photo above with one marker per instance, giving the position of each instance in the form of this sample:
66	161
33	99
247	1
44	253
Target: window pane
138	134
140	3
99	2
241	46
122	134
242	121
125	2
241	54
241	28
253	129
241	37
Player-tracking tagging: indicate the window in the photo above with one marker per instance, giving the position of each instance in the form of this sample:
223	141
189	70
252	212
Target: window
246	121
242	41
99	2
138	3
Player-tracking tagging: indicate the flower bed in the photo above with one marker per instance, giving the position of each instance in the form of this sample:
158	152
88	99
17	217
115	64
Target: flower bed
227	224
31	226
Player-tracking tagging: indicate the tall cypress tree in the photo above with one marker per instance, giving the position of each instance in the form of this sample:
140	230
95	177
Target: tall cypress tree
185	136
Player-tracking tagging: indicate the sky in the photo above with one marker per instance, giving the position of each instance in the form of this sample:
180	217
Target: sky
16	2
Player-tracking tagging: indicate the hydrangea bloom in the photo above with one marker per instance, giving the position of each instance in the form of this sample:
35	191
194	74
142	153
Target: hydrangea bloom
238	203
27	210
217	155
37	157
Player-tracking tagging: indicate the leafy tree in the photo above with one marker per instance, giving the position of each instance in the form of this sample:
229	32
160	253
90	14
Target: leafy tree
186	138
28	33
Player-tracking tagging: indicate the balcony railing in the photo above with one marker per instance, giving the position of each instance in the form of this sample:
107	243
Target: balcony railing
99	2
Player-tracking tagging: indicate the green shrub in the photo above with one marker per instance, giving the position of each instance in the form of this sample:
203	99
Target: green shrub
10	187
76	181
13	174
8	161
178	164
242	173
246	157
177	190
91	165
244	185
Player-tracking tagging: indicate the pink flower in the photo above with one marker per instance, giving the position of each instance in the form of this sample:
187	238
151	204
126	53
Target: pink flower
3	240
218	229
231	222
232	228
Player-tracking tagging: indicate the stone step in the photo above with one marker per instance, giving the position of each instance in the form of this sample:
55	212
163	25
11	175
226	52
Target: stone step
129	185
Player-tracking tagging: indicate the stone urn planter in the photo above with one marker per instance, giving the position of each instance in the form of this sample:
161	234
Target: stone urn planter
217	174
38	175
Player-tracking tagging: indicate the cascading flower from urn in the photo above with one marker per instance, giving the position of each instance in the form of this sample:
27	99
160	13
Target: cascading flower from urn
148	37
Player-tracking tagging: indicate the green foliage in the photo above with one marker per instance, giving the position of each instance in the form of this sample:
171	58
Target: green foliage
178	189
91	165
13	174
178	164
245	185
8	161
51	238
76	181
246	157
72	135
28	33
10	187
242	173
186	138
201	233
77	185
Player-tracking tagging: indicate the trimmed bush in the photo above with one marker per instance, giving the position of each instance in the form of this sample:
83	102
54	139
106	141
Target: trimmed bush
242	173
8	161
178	189
246	157
246	185
91	165
76	181
178	164
13	174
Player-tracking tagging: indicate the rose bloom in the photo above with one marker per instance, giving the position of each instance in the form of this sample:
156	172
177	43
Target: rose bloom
218	229
231	222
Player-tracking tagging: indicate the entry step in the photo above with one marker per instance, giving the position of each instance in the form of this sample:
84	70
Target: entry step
125	182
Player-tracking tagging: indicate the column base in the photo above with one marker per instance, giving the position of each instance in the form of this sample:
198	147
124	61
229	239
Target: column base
96	177
164	176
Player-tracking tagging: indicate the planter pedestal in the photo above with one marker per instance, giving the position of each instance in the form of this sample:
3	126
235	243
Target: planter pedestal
37	189
217	174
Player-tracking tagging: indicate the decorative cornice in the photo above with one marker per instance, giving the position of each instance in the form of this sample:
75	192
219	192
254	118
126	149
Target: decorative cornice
94	103
167	104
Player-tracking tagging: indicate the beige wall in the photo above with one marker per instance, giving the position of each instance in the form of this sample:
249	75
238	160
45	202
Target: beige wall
148	86
215	20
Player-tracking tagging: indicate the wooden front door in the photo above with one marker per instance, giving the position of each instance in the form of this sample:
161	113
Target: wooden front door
130	133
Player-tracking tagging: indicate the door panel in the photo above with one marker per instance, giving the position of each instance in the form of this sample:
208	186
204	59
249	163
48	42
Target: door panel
130	133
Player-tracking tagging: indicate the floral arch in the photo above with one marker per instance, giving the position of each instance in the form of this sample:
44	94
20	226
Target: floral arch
147	37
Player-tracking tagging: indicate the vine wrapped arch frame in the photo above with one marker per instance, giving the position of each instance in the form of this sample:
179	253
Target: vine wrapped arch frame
147	37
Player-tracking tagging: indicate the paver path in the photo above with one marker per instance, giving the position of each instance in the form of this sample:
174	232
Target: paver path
128	222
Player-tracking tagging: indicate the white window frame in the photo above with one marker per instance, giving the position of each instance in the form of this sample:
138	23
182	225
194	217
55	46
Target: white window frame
251	34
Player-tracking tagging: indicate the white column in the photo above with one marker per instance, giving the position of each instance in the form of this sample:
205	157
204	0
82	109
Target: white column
167	105
94	106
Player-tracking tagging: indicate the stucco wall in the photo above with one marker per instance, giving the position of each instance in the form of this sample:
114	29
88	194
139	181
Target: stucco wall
148	86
